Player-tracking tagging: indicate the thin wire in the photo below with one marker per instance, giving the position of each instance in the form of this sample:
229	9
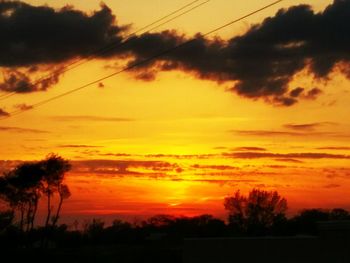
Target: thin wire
112	45
7	95
131	37
140	62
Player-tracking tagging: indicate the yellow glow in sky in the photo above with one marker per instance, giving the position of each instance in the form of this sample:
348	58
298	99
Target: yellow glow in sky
181	119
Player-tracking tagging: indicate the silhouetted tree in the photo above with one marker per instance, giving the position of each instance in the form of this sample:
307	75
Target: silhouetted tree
119	225
22	187
54	168
339	214
6	219
306	222
21	190
159	220
64	193
94	230
255	213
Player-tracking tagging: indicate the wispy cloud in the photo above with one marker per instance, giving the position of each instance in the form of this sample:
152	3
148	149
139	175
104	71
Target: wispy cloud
214	181
91	118
281	133
257	155
116	154
307	126
182	156
23	107
242	149
20	130
122	167
78	146
214	167
336	148
332	186
220	148
288	160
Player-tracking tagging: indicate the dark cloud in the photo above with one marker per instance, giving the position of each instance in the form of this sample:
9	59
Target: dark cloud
258	155
313	94
263	61
43	35
240	149
90	118
32	36
19	81
4	113
20	130
307	126
296	92
260	63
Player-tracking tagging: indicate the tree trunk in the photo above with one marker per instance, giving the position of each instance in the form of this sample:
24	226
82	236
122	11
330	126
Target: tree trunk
48	208
29	215
57	212
34	213
22	218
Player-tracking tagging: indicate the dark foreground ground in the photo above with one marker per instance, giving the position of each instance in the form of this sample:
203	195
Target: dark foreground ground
331	244
104	254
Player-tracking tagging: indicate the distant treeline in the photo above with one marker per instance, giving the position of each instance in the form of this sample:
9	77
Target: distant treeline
161	228
259	213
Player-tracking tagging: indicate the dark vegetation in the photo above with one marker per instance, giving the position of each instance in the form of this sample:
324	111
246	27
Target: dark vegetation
157	239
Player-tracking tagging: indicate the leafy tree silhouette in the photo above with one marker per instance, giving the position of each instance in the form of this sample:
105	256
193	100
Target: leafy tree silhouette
339	214
21	190
22	187
256	213
306	222
64	193
6	219
54	168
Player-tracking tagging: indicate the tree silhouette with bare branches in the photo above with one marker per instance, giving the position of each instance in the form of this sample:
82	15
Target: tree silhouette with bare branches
256	212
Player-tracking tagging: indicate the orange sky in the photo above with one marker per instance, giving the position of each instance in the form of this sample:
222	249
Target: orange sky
180	144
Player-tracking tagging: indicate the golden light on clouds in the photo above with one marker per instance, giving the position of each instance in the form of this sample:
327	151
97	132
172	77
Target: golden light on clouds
181	142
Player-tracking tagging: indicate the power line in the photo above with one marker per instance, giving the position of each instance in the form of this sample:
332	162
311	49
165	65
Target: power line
134	65
114	44
132	35
7	95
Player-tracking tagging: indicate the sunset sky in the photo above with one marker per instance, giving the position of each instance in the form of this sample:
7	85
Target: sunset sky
262	103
